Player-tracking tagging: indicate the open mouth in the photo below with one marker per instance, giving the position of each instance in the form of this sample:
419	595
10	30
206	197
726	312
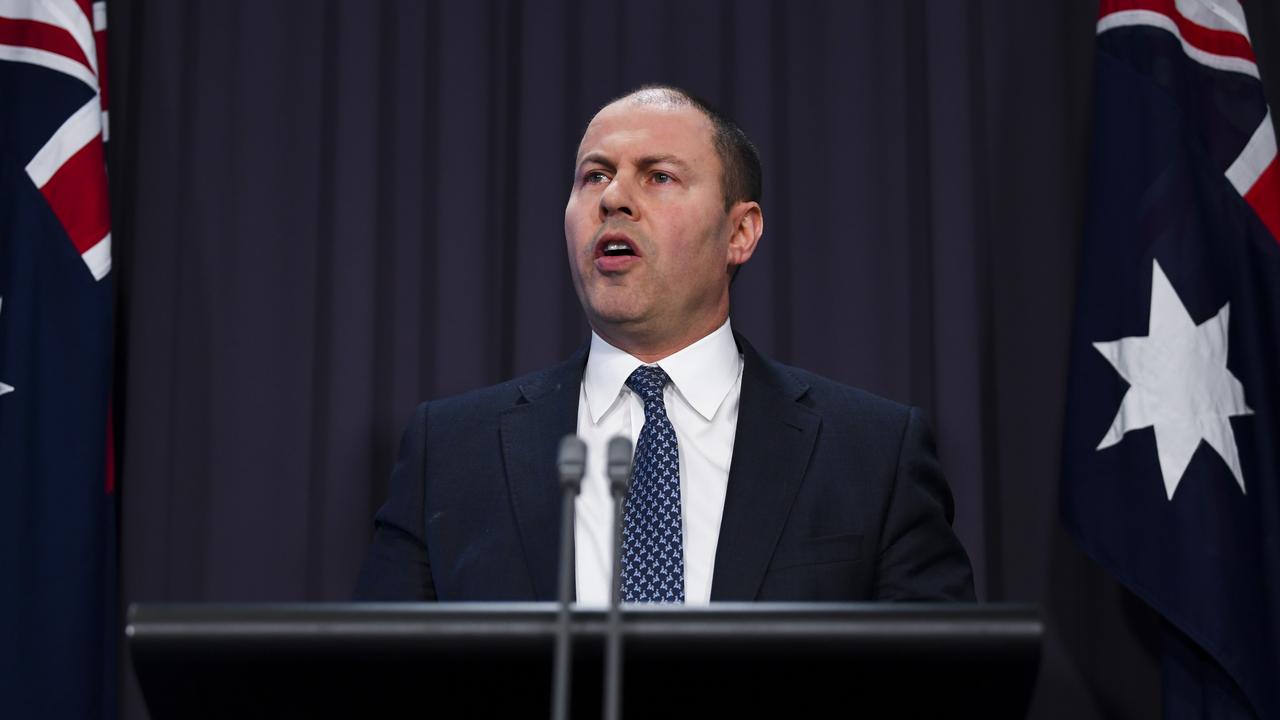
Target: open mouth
615	245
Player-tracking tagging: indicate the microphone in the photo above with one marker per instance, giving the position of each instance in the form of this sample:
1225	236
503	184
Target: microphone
619	471
571	462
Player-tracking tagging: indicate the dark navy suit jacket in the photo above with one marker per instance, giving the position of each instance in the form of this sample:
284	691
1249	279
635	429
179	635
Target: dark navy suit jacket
834	495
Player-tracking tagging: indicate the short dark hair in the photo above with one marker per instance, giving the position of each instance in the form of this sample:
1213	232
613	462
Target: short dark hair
743	178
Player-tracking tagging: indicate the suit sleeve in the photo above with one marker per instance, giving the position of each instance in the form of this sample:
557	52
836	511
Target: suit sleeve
397	567
920	557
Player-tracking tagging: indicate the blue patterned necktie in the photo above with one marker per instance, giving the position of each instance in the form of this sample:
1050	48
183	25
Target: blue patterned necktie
652	544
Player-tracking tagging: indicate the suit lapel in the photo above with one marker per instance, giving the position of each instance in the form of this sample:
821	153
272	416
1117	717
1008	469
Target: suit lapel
774	439
531	432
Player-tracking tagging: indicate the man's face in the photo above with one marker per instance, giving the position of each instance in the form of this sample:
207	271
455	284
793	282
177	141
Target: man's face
646	227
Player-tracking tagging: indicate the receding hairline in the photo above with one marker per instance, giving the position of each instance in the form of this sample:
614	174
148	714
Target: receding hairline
662	96
670	100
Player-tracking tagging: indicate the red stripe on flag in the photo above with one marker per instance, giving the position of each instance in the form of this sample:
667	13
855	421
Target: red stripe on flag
1264	198
77	192
1217	42
41	36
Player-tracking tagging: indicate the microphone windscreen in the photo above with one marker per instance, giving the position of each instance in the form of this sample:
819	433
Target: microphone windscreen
619	463
572	459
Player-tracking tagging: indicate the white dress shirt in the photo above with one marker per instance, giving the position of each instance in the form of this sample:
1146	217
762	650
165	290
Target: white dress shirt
702	404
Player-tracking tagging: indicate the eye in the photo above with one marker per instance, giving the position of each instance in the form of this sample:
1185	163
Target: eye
662	178
594	177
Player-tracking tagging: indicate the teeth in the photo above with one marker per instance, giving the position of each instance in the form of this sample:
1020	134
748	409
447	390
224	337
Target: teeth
614	246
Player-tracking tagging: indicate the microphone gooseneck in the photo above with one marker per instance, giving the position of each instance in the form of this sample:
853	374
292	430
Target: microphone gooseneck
618	468
571	463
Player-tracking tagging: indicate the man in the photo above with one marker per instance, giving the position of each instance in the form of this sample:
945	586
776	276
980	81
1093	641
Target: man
752	480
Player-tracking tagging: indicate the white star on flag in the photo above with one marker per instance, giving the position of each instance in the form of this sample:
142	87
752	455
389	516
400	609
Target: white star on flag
1179	384
4	389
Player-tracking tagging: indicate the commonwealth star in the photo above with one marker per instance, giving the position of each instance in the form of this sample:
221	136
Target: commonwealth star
1179	384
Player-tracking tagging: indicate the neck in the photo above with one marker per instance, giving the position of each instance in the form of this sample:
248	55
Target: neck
651	349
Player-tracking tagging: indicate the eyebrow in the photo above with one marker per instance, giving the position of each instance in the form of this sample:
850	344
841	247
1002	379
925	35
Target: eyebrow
647	161
595	157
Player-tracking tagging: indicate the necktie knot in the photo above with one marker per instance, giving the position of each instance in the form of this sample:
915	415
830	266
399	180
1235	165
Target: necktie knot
648	381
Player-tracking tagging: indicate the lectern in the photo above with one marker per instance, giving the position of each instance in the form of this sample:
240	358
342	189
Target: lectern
494	660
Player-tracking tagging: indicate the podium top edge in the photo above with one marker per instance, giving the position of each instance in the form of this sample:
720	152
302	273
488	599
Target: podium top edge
148	611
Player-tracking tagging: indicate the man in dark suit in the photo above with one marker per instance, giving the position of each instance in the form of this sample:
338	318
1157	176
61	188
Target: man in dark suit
752	481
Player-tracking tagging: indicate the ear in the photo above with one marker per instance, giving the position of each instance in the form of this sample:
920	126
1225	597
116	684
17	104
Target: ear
748	226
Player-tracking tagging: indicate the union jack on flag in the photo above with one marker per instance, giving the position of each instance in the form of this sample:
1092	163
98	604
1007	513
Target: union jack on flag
69	38
58	621
1171	465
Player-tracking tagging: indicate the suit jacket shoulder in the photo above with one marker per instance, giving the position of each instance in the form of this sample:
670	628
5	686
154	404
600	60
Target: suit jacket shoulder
483	405
845	402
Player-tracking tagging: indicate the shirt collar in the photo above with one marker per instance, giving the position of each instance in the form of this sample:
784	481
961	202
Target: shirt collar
702	373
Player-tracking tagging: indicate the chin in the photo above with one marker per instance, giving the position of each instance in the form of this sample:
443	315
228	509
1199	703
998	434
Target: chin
615	318
615	313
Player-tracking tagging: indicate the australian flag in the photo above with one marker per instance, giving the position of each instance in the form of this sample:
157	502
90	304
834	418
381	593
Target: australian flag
1171	456
57	540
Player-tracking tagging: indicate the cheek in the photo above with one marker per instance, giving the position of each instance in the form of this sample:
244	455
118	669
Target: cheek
701	244
571	214
578	226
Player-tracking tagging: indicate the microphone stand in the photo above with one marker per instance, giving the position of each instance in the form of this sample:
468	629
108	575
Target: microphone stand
572	465
619	471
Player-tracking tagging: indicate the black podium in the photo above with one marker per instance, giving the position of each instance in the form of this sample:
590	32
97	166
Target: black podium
495	660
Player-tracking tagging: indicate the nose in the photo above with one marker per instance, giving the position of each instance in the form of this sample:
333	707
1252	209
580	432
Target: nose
616	200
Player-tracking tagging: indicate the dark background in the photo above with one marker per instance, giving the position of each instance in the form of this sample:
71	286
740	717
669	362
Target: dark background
327	211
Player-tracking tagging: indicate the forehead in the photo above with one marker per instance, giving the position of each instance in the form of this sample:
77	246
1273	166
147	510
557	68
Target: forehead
630	128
